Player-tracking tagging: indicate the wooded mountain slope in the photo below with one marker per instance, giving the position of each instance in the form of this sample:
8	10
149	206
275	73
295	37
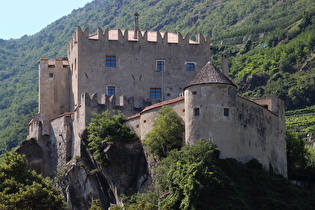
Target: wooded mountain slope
221	19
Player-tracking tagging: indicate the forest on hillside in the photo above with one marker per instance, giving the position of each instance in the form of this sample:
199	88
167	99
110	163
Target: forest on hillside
271	44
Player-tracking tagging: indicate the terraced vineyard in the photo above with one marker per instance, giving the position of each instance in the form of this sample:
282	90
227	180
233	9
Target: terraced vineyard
302	121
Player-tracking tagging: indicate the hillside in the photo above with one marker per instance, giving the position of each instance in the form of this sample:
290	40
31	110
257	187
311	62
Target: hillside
302	121
225	21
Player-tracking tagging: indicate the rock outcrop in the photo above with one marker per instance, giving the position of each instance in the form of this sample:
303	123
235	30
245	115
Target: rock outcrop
83	180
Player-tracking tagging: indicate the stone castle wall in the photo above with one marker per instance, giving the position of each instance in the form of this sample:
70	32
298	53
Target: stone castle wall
249	131
53	90
135	72
71	90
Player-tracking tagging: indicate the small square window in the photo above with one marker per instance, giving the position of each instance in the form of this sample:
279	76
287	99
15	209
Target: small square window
190	67
51	75
155	92
194	92
160	65
226	112
110	61
196	111
111	90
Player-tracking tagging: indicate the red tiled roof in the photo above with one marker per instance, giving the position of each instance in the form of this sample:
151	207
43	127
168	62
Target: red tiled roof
157	105
163	103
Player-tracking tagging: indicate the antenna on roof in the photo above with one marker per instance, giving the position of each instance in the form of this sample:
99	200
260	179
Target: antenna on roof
135	35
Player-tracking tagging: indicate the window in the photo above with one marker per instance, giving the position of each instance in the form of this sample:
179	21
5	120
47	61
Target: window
110	61
196	111
190	67
160	65
226	112
51	75
155	92
111	90
265	106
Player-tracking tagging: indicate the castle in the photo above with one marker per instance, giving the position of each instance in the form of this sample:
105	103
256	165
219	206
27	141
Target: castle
138	72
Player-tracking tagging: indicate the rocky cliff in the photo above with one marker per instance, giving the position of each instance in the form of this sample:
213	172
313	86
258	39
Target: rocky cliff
83	180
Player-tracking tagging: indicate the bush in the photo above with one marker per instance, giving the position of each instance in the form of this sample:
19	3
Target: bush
105	129
167	133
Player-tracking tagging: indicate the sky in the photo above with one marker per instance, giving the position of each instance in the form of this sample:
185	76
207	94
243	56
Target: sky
27	17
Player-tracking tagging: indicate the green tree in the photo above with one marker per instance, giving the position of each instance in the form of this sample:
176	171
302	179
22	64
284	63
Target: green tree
105	129
192	177
296	153
22	188
167	133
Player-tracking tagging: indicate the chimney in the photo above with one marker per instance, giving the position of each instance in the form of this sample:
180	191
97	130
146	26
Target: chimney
225	64
135	35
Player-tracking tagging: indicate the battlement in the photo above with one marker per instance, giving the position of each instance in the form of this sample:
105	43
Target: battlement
106	102
57	63
123	36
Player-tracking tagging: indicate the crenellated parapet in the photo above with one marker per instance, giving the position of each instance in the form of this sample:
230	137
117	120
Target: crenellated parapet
129	106
98	104
57	63
123	36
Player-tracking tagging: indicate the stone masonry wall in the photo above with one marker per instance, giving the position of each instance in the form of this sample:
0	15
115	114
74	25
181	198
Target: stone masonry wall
135	72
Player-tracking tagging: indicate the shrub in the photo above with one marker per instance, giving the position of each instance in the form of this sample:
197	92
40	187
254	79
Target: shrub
167	133
105	129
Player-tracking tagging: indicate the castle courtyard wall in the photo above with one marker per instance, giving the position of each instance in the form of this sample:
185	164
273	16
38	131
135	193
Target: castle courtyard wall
60	142
261	135
143	122
250	131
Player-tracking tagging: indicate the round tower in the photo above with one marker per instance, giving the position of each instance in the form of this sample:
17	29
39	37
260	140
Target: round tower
210	107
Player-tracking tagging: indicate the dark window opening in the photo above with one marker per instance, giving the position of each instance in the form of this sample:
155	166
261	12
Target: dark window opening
155	92
51	66
226	112
265	106
194	92
51	75
160	65
111	90
190	67
110	61
196	111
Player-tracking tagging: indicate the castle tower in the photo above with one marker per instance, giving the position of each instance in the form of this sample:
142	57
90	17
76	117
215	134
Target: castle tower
53	89
210	107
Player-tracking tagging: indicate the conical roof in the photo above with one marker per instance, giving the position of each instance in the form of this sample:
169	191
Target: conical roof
209	74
